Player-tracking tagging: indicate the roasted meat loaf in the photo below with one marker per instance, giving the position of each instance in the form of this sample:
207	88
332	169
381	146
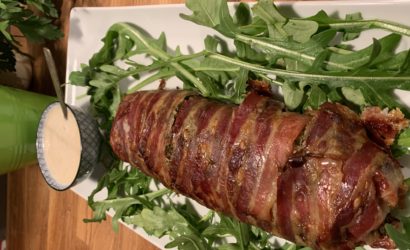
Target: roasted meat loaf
315	178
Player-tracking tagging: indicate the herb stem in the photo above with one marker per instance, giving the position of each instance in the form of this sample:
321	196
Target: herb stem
399	82
368	24
158	76
160	65
153	195
160	54
293	54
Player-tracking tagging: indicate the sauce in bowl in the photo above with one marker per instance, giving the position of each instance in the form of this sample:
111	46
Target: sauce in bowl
62	145
67	148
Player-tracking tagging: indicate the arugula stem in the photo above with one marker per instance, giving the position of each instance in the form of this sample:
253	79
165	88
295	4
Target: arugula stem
189	56
242	231
125	200
208	216
331	80
263	45
156	66
131	200
158	76
130	31
367	24
155	194
159	65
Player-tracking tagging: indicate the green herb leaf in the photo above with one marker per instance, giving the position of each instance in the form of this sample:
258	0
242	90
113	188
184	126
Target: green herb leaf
301	30
3	29
268	12
186	242
211	13
380	51
34	27
45	6
293	96
316	97
158	222
400	236
402	144
118	182
354	95
38	29
228	226
351	34
243	15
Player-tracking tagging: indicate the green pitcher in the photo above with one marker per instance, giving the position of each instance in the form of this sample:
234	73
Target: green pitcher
20	113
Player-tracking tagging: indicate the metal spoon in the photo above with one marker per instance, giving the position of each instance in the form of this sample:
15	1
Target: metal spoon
54	78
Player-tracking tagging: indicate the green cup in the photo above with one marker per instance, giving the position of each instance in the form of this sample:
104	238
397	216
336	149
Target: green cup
20	113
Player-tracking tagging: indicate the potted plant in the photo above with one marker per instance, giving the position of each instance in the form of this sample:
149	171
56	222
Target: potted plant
28	19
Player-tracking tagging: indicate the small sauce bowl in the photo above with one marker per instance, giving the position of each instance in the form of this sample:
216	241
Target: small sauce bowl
67	148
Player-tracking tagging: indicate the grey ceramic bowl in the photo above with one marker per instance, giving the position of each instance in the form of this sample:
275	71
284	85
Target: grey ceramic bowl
90	147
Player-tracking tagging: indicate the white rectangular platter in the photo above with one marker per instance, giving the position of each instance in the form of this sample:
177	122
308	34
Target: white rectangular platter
89	25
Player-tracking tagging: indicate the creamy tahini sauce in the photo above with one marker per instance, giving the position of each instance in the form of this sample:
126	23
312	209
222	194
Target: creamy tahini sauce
62	145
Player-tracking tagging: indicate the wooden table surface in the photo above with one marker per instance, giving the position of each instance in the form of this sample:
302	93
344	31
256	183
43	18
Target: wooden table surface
39	217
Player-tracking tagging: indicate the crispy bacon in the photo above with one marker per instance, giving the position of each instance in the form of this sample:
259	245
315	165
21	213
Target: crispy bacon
316	179
384	126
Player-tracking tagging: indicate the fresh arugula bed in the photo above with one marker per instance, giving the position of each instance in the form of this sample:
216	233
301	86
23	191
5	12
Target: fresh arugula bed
307	58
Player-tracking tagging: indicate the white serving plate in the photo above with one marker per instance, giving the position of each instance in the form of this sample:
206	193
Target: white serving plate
89	25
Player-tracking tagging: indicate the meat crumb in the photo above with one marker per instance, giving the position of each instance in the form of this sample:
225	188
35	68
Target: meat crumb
384	125
162	84
384	242
260	87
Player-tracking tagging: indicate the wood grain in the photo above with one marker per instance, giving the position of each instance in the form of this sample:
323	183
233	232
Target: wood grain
40	218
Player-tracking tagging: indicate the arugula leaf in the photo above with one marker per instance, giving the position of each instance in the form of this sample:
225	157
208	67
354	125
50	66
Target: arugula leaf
243	15
274	20
186	242
377	90
354	95
354	23
315	97
282	28
257	27
204	12
400	236
404	139
123	188
293	96
158	222
211	13
402	144
351	34
380	51
301	30
303	57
